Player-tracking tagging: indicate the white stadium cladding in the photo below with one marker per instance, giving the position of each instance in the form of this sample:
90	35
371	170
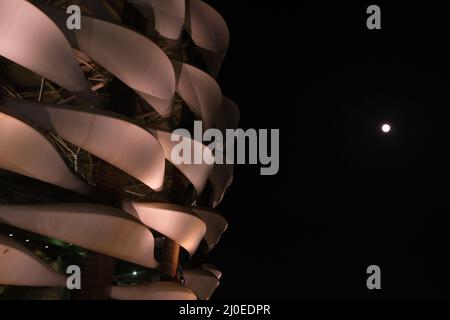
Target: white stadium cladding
34	36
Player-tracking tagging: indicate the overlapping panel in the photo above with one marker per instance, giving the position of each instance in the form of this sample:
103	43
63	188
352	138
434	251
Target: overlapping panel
20	267
175	222
209	31
222	174
213	269
216	225
202	282
31	39
145	68
207	27
97	228
131	57
168	15
25	151
153	291
196	173
229	115
221	179
125	145
200	92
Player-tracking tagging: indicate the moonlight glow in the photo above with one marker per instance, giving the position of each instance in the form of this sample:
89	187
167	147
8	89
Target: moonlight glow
386	128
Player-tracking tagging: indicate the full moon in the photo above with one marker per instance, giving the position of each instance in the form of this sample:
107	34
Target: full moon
386	128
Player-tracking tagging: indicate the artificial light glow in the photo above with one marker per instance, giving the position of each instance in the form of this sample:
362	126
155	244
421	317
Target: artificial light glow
28	240
134	273
386	128
11	235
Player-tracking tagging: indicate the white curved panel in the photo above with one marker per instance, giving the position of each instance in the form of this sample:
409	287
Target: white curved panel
209	31
146	68
131	57
153	291
229	115
169	15
221	179
125	145
200	92
97	228
207	27
20	267
25	151
216	225
175	222
213	269
222	174
197	174
202	282
31	39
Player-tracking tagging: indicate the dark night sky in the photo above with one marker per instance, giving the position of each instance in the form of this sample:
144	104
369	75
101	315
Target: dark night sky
346	196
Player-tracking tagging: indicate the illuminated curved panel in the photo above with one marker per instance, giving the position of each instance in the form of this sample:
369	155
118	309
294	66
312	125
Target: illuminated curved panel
25	151
213	269
97	228
221	179
153	291
29	38
207	27
197	174
147	70
20	267
200	92
216	225
168	14
131	57
209	31
175	222
202	282
229	115
125	145
222	174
